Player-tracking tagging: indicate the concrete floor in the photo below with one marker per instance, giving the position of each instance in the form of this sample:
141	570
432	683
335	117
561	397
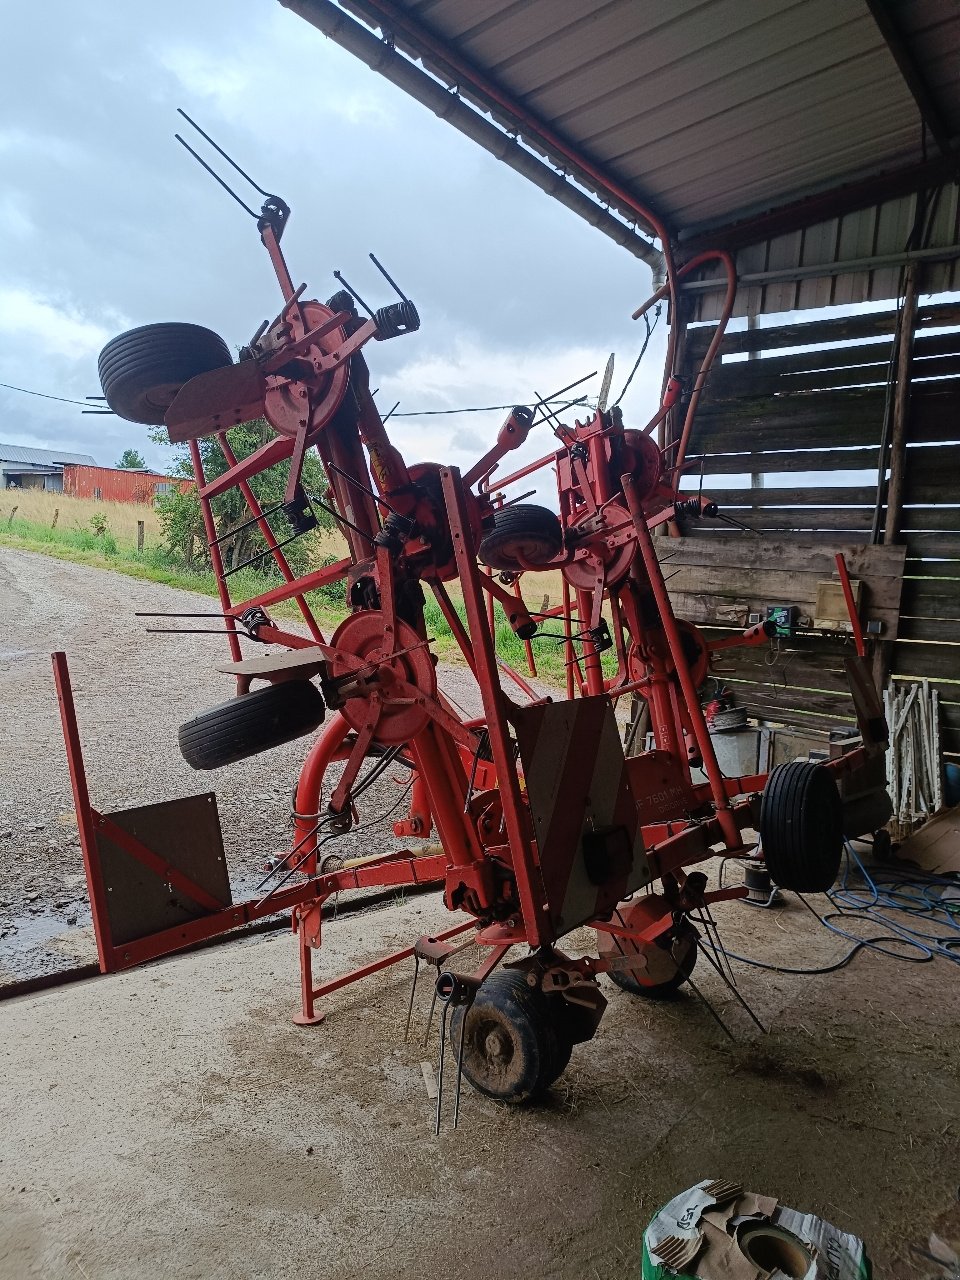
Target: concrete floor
172	1122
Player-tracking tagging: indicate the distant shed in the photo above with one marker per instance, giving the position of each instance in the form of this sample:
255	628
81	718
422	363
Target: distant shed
22	467
116	484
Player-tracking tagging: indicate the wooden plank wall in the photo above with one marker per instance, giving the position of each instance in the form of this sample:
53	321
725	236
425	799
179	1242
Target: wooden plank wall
718	582
798	404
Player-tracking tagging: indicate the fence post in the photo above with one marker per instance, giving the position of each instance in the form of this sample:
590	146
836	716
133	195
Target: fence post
139	537
12	514
56	517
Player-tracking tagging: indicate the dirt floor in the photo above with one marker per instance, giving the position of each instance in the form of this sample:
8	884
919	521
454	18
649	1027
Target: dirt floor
172	1121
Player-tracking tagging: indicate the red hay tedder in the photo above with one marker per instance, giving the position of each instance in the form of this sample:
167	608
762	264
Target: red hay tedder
540	822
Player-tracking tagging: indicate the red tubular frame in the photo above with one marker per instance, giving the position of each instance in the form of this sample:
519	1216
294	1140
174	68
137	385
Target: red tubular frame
529	880
394	869
467	782
855	626
279	557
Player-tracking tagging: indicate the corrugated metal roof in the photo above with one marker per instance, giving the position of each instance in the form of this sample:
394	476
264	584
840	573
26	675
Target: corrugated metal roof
707	112
709	109
42	457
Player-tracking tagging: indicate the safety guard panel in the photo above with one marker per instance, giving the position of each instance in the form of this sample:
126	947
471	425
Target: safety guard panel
585	817
185	837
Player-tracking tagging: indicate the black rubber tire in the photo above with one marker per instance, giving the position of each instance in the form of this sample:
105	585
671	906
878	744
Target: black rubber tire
801	827
143	369
251	723
532	1049
626	981
534	533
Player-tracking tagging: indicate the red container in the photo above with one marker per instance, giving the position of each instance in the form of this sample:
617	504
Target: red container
115	484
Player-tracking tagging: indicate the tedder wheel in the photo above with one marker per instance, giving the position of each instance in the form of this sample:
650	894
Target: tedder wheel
142	370
251	723
669	959
521	536
801	826
514	1046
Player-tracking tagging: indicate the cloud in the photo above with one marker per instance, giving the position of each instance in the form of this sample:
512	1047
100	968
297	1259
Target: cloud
51	329
15	222
230	83
468	373
105	223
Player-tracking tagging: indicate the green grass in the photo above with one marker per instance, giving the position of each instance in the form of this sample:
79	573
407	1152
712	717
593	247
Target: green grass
82	546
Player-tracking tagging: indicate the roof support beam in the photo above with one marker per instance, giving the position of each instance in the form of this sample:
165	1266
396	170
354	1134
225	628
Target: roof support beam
884	15
381	55
833	203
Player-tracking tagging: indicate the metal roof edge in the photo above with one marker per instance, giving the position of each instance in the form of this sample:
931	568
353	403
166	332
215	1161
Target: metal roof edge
437	84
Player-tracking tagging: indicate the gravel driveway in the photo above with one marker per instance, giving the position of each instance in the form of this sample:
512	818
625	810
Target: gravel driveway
132	692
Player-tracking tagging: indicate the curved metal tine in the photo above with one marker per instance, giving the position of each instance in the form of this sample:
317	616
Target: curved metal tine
716	933
389	278
456	1098
337	275
213	174
736	524
413	992
543	401
443	1041
433	1005
705	918
569	387
362	487
229	159
736	994
713	1013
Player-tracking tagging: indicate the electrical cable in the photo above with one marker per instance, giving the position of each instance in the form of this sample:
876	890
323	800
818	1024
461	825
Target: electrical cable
643	349
333	835
84	404
885	891
413	413
433	413
380	765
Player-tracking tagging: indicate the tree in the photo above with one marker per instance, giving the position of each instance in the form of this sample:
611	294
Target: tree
179	509
131	460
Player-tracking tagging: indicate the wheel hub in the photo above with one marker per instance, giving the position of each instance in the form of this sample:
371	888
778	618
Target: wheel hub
364	648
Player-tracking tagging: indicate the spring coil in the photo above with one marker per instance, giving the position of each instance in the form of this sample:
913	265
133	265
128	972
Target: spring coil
396	319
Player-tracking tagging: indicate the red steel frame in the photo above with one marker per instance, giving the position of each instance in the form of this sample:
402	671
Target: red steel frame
614	487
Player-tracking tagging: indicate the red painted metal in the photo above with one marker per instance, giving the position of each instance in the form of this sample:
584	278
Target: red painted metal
115	484
279	558
519	860
163	870
96	891
308	1017
855	626
216	558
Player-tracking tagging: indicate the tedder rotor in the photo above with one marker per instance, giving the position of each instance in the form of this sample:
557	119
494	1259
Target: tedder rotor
530	818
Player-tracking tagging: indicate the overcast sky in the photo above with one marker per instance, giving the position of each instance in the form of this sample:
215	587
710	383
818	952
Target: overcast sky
106	222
